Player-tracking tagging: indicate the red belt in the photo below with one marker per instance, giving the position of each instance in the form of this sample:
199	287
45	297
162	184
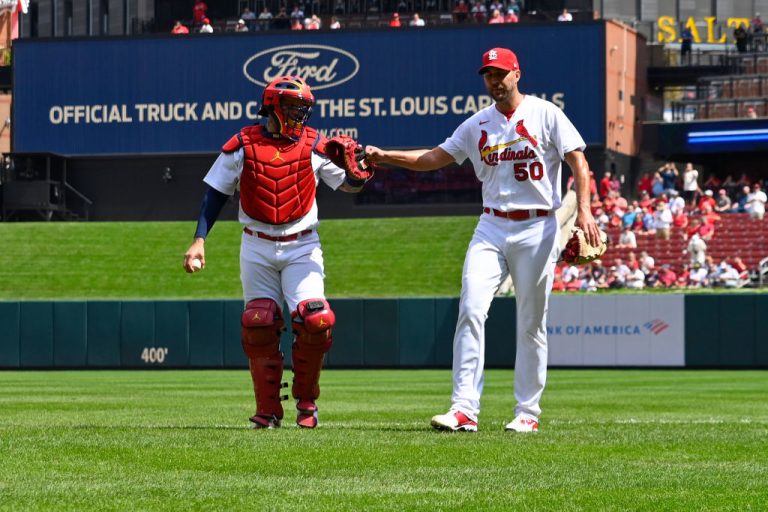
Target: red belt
286	238
518	214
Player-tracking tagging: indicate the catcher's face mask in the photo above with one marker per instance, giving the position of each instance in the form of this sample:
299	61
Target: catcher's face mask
289	101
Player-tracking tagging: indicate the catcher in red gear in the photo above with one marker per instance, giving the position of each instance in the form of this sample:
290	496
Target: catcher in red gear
276	167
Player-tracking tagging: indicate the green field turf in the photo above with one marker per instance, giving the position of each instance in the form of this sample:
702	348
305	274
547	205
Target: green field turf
177	440
363	258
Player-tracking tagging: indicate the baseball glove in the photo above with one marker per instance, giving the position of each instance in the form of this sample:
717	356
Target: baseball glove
578	250
347	154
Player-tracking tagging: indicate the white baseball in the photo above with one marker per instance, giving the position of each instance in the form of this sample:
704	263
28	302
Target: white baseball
196	264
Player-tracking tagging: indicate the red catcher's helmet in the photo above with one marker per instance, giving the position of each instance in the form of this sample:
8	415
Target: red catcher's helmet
290	119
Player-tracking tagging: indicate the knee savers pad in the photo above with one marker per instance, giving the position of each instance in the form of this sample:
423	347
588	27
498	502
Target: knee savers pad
262	322
318	320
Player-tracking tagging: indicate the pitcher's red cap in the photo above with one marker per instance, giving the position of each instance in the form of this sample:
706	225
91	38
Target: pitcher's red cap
501	58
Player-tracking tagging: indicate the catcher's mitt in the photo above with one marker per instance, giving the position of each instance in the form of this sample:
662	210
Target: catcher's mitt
347	154
579	251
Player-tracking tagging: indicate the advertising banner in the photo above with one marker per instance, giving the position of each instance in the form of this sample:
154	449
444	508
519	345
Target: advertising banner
189	94
628	330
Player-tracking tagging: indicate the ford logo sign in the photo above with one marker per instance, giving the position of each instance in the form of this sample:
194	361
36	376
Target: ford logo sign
321	66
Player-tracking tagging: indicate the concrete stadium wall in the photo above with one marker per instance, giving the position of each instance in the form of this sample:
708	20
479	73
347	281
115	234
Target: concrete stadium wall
728	331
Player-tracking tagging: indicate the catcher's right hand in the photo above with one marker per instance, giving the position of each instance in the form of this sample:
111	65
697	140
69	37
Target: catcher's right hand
579	251
347	154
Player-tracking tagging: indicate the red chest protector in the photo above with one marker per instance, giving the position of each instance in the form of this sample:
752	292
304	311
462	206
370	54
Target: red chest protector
277	185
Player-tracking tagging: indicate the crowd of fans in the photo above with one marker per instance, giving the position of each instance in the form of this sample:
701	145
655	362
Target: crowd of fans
481	11
669	202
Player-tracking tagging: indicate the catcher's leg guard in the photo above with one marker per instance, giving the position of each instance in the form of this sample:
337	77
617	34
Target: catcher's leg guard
313	340
262	323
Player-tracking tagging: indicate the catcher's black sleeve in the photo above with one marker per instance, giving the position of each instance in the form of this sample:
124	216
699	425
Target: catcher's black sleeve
213	202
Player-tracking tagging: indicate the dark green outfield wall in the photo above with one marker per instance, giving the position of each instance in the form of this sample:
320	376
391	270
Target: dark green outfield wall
720	330
115	334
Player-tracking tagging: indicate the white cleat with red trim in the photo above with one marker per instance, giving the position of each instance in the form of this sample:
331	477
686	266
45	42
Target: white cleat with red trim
455	421
523	423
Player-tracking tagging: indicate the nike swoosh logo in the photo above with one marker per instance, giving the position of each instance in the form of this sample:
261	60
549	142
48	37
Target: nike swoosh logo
483	122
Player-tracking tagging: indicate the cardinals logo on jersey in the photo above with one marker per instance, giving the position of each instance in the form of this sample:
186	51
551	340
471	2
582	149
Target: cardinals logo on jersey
492	155
521	130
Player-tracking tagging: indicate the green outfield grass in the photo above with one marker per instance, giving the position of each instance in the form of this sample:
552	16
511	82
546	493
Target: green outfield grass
142	260
177	440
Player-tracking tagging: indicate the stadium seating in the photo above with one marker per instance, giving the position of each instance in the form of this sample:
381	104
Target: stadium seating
736	235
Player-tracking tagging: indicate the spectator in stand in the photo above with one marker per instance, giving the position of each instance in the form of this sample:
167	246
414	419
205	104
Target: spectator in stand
713	271
565	16
697	277
282	21
179	28
314	23
479	12
755	204
206	27
691	188
649	222
647	263
615	281
297	14
723	202
621	270
706	230
460	12
335	23
682	277
728	277
713	182
602	219
199	11
751	112
757	34
740	206
241	26
512	17
571	278
741	268
669	175
667	277
605	185
662	221
685	46
657	184
631	259
496	18
630	216
297	24
645	200
416	21
730	186
707	201
512	4
265	18
676	203
557	284
598	271
697	249
740	35
394	22
635	278
496	5
645	185
249	17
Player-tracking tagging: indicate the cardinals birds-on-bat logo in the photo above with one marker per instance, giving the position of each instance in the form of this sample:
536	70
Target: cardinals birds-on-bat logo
492	155
523	132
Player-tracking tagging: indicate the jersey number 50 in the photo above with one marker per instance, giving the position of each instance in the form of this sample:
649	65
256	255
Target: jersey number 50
523	171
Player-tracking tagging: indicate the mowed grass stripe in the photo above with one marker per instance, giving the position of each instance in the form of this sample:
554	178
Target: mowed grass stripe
397	257
177	440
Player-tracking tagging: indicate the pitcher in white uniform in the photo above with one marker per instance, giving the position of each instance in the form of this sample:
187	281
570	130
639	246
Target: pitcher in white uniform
516	147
